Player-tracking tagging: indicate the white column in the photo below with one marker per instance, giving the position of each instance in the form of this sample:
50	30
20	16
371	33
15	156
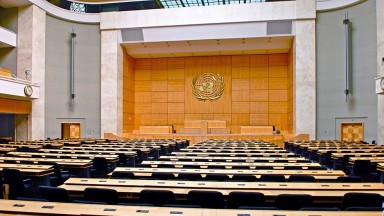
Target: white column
380	68
304	69
111	82
31	56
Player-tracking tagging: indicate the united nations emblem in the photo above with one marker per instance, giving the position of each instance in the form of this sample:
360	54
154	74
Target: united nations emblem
208	86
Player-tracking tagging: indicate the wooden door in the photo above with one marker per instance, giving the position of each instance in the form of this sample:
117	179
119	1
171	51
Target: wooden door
352	131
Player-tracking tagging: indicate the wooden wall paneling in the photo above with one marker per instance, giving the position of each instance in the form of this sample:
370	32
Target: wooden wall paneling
240	61
128	95
209	116
277	107
177	108
278	83
240	119
159	97
240	96
259	72
240	73
278	95
159	74
176	97
143	108
15	106
258	60
143	74
176	119
176	63
225	117
142	119
177	85
143	86
278	71
143	97
258	95
158	86
128	84
278	59
141	64
159	119
128	107
259	83
259	107
159	64
240	84
240	107
176	74
278	120
158	108
259	119
189	116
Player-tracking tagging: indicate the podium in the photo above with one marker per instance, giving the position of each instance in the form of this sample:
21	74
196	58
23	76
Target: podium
205	127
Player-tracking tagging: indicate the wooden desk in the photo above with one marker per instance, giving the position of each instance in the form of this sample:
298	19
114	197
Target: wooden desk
19	146
5	150
110	158
230	159
235	151
319	175
229	154
38	173
332	192
230	164
78	167
19	207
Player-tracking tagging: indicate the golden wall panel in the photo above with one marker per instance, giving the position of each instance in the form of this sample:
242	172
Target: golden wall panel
176	97
258	60
259	119
143	97
258	83
159	108
240	107
240	96
240	84
159	75
159	119
240	119
176	119
176	74
224	117
143	74
240	73
278	95
240	61
278	60
258	95
143	64
15	106
159	64
208	117
143	86
159	86
159	97
258	107
143	108
176	85
278	83
278	107
258	72
176	63
177	108
278	71
193	116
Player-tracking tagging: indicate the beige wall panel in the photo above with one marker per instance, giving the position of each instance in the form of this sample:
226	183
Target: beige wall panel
143	108
240	96
142	74
176	97
175	108
159	64
240	61
176	119
193	116
176	74
159	74
278	59
258	60
278	107
240	119
240	73
258	95
223	117
278	71
278	95
277	83
259	119
141	64
176	63
159	97
240	107
258	107
176	85
159	86
143	97
159	119
143	86
258	72
208	116
259	83
279	121
159	108
240	84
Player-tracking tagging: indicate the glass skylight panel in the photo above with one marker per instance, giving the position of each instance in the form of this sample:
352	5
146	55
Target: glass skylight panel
193	3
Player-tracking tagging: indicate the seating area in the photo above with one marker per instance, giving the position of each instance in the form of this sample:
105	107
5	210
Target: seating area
274	179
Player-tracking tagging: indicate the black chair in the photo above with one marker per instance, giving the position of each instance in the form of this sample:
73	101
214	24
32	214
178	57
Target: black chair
143	165
163	176
215	167
53	194
317	168
59	176
190	176
157	197
243	177
123	175
293	201
301	178
349	179
123	159
191	166
206	199
238	199
264	168
240	167
216	177
100	167
362	168
101	195
18	186
364	209
355	199
272	178
165	166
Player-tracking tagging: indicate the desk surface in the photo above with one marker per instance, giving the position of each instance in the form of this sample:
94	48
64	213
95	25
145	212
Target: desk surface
112	158
117	147
318	174
17	207
89	152
65	163
233	154
248	159
236	150
230	164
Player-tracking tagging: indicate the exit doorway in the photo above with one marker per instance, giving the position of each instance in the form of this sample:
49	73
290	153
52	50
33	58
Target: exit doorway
70	130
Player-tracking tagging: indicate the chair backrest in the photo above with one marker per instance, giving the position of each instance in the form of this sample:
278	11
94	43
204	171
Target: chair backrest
216	177
355	199
349	179
53	194
240	167
56	170
100	164
109	196
237	199
165	166
293	201
301	178
206	199
272	178
244	177
190	176
191	166
123	175
14	179
361	168
157	197
216	167
163	176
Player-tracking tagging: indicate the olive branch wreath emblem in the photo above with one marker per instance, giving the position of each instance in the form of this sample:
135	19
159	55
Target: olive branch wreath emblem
208	86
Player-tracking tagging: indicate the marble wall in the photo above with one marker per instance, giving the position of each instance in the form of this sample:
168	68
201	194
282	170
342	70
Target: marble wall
380	68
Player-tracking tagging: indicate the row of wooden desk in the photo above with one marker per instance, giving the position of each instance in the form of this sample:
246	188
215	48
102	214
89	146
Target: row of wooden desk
18	207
